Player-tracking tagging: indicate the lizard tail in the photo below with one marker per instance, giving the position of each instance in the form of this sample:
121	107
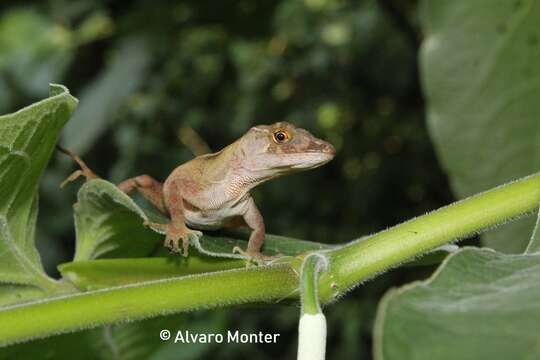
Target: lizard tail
83	171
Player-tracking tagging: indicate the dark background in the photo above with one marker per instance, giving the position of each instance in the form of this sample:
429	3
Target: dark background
160	80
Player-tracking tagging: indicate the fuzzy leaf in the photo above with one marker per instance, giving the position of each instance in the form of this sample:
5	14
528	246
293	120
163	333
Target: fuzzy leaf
480	65
480	304
103	273
27	139
109	223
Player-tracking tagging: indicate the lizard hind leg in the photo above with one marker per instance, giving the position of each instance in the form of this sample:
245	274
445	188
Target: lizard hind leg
83	171
177	229
254	220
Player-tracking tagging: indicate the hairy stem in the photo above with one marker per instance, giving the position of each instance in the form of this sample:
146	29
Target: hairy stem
147	299
311	268
365	258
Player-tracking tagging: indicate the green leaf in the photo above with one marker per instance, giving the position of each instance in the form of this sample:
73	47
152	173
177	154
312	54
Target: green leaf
273	245
480	304
534	243
103	273
27	139
480	65
432	258
110	224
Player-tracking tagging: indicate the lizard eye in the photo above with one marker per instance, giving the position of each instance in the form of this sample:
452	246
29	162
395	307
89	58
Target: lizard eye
281	136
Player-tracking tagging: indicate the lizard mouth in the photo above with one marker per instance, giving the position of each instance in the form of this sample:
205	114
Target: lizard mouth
312	159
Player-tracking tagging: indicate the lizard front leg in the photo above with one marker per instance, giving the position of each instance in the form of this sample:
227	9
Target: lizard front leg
177	229
255	221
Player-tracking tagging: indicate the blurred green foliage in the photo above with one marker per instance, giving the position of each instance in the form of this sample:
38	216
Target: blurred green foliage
145	71
483	119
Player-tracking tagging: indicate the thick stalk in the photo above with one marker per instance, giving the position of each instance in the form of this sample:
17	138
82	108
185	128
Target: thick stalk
312	324
365	258
147	299
309	294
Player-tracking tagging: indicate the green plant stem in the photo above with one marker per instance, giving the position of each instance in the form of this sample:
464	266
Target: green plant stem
349	265
365	258
147	299
311	267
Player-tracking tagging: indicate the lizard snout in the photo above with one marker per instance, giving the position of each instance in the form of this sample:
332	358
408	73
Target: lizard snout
329	149
321	146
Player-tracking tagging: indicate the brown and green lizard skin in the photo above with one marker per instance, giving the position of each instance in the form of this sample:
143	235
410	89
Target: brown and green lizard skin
212	191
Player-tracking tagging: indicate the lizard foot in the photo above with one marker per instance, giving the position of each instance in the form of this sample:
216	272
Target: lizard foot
83	171
255	256
174	235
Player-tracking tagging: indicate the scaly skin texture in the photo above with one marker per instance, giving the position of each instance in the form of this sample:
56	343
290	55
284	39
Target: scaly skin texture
212	191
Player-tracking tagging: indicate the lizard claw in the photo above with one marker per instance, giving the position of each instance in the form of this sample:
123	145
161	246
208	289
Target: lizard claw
74	176
83	171
174	235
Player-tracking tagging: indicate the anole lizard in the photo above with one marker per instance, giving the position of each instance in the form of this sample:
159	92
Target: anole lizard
212	191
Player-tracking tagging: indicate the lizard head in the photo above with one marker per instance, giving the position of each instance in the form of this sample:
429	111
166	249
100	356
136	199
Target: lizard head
282	148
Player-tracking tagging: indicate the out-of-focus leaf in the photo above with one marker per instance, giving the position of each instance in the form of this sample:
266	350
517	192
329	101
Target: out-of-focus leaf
121	78
141	340
133	341
27	139
34	51
481	73
5	96
480	304
95	26
84	344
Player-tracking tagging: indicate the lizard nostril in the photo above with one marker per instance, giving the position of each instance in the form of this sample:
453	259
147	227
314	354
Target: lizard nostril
320	147
329	148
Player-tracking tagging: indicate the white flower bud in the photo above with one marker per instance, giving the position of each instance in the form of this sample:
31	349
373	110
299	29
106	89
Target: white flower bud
312	337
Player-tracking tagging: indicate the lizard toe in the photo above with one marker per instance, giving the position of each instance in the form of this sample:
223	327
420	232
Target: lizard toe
254	256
